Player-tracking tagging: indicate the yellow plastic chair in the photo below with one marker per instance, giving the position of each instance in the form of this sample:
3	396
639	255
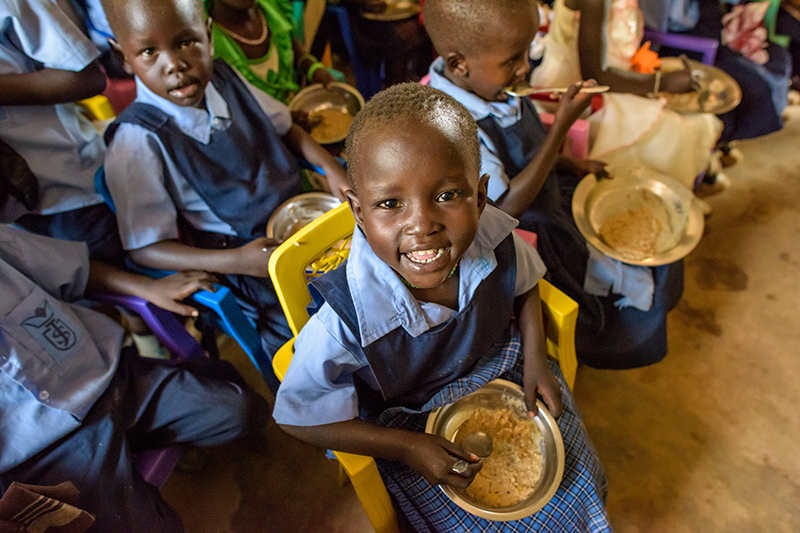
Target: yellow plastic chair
323	245
98	106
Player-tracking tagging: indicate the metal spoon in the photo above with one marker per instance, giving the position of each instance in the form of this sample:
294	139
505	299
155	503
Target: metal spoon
478	443
524	89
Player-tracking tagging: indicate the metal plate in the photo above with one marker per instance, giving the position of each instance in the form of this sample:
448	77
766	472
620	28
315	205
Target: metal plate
339	97
298	211
725	93
593	203
499	394
395	10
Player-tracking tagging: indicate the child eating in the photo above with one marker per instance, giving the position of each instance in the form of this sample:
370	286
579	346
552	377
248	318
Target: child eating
483	46
203	149
438	297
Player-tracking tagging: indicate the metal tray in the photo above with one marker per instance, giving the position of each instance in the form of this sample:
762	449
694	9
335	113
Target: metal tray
725	91
395	10
498	394
594	202
298	211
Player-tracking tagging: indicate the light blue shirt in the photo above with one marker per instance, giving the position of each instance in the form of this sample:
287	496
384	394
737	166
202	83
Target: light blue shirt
318	387
62	148
148	189
56	358
506	113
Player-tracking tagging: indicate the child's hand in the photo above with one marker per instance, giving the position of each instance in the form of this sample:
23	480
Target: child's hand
168	291
678	81
254	257
582	167
321	75
540	381
336	181
433	458
573	103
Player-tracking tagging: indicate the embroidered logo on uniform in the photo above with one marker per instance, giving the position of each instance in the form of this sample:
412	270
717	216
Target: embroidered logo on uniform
46	325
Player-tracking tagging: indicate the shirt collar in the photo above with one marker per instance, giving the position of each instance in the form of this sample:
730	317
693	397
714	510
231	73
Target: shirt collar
509	111
371	280
194	122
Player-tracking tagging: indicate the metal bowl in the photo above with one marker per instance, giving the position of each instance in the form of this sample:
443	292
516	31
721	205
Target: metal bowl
298	211
339	97
595	202
395	10
724	92
499	394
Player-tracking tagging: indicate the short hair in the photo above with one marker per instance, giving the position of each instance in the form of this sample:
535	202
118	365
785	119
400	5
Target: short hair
461	25
116	11
412	102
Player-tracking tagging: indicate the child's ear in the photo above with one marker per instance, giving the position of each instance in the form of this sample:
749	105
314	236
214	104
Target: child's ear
355	206
117	51
483	192
457	64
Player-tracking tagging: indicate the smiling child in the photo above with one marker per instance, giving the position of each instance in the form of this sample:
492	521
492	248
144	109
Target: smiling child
438	297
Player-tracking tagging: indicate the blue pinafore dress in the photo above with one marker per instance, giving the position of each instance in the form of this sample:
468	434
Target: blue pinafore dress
243	174
417	375
606	336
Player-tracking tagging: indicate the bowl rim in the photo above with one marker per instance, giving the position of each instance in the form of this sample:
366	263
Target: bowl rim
547	420
270	230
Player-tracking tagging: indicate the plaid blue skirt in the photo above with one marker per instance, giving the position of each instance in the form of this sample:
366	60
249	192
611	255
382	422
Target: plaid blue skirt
578	504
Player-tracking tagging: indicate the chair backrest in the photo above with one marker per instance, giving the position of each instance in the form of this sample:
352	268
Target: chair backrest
324	244
319	247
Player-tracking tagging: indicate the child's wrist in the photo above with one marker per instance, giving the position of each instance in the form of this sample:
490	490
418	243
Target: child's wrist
312	69
307	60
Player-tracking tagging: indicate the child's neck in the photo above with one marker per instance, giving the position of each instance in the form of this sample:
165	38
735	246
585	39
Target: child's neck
445	293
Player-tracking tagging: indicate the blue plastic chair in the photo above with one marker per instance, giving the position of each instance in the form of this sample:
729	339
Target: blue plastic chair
225	314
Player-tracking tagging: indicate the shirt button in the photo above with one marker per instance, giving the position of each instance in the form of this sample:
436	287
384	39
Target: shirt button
43	395
216	122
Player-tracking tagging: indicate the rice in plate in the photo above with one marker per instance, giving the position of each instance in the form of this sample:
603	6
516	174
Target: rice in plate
510	474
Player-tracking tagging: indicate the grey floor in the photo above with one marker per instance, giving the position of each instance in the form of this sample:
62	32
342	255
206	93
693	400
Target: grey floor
705	441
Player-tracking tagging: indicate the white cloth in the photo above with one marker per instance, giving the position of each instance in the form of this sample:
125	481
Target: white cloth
605	275
629	129
62	148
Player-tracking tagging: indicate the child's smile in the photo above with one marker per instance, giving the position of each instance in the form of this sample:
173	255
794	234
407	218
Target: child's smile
418	199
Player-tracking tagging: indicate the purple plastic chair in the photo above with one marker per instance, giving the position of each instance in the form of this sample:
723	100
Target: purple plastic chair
707	47
156	465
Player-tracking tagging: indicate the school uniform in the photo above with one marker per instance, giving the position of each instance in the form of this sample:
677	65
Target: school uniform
62	147
218	172
76	405
621	323
345	362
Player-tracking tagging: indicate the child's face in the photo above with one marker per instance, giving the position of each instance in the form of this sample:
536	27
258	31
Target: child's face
167	45
503	61
418	201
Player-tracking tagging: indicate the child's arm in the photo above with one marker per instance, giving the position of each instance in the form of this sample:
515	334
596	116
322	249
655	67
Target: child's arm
51	86
431	456
525	186
538	379
166	292
582	167
592	47
251	259
302	144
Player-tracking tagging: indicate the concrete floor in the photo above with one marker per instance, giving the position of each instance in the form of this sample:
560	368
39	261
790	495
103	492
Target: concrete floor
705	441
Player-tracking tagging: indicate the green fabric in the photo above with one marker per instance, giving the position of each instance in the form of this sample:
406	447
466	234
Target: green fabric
281	84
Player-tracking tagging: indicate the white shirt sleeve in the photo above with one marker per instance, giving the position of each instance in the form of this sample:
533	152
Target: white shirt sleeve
135	177
46	35
530	267
318	388
498	181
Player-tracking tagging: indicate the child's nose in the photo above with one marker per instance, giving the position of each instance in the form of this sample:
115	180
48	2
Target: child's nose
173	63
421	221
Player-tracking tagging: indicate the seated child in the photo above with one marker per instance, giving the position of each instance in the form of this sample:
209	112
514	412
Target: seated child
518	155
255	37
46	64
203	149
597	39
76	404
438	297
